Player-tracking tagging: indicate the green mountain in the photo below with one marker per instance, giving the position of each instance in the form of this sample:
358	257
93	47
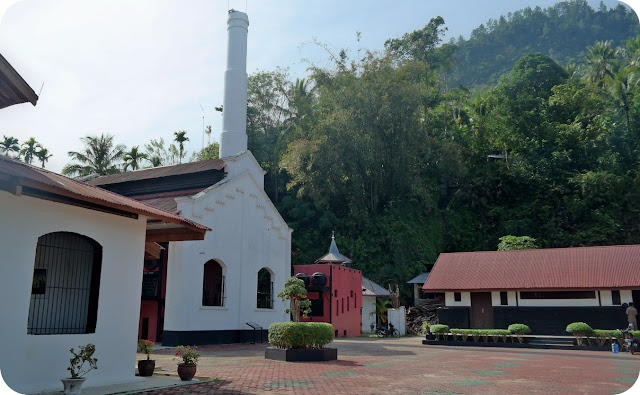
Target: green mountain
561	32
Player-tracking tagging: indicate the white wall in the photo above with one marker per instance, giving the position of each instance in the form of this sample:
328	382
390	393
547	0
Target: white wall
35	363
511	298
368	307
625	297
465	300
247	235
398	318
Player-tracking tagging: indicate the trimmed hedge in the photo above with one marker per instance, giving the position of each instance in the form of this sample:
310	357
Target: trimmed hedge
439	328
494	334
581	331
306	335
519	329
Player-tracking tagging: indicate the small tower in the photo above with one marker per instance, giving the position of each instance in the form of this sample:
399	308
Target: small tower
334	256
233	139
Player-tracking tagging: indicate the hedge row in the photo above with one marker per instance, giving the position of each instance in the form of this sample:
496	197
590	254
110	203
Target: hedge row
312	335
583	331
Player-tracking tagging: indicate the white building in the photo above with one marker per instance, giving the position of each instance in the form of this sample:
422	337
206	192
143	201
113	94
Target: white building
206	292
370	292
71	271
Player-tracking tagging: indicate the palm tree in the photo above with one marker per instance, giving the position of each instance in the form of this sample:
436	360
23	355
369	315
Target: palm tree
133	158
180	139
29	149
155	161
382	305
601	62
9	144
43	155
99	156
621	89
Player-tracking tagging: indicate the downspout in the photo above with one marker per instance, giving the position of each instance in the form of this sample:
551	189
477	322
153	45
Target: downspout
330	294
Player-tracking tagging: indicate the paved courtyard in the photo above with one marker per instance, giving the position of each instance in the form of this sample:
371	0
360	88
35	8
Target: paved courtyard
405	366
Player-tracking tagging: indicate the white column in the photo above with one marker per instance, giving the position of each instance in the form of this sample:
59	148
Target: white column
233	139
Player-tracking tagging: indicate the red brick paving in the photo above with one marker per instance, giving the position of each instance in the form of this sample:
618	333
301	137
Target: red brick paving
405	366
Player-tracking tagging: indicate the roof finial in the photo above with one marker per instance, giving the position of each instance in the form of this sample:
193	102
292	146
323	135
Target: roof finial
333	235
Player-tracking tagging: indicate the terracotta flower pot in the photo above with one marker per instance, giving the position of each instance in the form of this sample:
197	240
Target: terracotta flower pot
186	372
72	386
146	367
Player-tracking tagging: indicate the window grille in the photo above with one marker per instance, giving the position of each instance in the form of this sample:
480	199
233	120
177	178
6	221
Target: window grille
150	285
615	298
213	285
66	285
265	290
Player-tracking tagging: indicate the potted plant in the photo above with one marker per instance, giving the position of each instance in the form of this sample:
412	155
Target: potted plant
299	341
73	384
146	366
189	357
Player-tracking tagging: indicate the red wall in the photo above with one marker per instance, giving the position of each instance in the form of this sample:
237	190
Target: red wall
343	303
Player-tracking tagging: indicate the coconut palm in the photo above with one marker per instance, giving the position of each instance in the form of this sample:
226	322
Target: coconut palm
9	144
382	305
99	156
43	155
133	158
180	139
621	89
601	63
29	150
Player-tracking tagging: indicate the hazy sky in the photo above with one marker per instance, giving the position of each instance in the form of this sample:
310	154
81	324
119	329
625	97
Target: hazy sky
142	69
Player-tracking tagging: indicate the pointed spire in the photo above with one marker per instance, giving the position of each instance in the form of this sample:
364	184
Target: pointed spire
334	256
334	248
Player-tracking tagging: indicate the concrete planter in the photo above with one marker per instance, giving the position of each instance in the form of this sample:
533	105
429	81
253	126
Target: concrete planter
300	355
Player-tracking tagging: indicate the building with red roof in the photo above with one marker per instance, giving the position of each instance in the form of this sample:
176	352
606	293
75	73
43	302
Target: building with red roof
545	289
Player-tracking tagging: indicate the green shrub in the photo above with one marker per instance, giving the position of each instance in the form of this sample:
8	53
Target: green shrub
300	334
495	334
425	328
602	336
440	330
519	330
580	330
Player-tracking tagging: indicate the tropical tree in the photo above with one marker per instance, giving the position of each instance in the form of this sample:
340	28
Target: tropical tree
9	144
100	156
133	158
295	292
211	151
43	155
382	305
508	243
180	138
29	150
600	62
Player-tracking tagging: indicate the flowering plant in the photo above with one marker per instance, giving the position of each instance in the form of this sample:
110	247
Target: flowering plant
146	346
85	354
188	355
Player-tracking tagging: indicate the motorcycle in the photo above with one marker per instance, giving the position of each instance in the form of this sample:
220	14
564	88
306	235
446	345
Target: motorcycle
631	343
388	332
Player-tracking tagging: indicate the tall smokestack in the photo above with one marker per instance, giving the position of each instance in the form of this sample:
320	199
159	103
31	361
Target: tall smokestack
233	139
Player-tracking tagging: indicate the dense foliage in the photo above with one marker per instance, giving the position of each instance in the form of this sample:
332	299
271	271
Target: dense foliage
403	168
560	32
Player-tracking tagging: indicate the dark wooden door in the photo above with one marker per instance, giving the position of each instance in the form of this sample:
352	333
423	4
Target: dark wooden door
481	310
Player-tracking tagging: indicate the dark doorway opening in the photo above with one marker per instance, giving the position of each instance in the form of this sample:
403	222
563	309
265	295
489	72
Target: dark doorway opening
481	310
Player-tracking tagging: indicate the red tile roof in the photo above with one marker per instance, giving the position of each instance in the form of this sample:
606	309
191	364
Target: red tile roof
606	267
14	173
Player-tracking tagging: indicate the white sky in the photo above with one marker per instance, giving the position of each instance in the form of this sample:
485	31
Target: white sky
141	69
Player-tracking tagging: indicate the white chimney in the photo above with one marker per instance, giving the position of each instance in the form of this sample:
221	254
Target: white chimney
233	139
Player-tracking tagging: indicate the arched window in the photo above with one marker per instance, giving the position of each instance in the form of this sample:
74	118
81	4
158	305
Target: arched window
265	289
213	284
66	285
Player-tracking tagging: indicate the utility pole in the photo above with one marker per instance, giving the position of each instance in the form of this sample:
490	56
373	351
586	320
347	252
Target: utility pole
202	126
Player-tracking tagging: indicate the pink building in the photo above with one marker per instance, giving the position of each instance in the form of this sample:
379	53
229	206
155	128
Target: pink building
335	291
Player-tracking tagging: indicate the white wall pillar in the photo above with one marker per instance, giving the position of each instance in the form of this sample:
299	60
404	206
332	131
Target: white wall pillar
233	139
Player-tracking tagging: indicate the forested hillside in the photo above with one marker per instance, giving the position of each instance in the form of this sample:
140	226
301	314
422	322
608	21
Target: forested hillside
561	32
404	168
